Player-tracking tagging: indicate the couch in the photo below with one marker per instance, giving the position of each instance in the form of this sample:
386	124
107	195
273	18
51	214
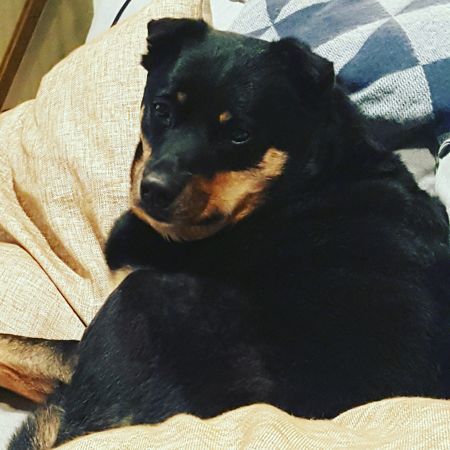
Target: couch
65	160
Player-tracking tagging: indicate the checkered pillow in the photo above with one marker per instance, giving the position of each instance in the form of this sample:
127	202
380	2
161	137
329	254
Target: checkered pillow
393	56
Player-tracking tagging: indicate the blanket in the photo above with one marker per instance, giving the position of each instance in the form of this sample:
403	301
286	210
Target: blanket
64	179
393	424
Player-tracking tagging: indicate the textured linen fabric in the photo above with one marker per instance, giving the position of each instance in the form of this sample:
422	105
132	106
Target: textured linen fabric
64	163
390	424
105	11
223	12
64	178
393	56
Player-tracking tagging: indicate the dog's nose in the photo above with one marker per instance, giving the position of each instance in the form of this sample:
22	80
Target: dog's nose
158	191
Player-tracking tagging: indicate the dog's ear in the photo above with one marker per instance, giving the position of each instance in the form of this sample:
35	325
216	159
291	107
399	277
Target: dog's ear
313	74
166	36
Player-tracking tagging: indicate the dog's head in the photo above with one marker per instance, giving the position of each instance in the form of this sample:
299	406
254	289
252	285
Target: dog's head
222	116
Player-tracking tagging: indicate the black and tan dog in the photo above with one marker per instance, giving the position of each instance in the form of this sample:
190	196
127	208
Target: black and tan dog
279	254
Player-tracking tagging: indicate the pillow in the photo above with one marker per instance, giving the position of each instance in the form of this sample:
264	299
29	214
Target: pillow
395	424
65	159
106	12
393	57
224	12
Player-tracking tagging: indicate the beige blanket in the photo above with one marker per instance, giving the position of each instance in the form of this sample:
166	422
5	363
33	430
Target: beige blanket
408	424
64	164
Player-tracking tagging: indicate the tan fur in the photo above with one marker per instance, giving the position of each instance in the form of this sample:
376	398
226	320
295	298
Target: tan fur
228	197
118	276
177	232
237	194
181	97
47	422
125	422
31	368
137	169
224	117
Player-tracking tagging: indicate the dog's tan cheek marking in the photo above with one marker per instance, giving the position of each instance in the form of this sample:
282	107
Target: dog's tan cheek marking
224	117
141	214
146	150
237	194
137	168
273	163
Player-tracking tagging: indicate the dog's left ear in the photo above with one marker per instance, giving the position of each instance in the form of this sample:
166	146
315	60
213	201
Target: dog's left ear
313	73
166	36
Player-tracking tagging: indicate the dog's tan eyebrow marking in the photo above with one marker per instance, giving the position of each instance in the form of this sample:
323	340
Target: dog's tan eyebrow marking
224	117
181	97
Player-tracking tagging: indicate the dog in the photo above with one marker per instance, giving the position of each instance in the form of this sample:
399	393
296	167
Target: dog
274	253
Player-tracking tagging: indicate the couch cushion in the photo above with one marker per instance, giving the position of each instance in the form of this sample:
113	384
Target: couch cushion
393	424
64	171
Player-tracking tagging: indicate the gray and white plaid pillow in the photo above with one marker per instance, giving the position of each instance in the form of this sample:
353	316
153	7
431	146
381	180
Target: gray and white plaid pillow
393	56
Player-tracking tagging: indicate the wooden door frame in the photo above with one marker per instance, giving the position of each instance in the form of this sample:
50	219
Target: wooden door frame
18	44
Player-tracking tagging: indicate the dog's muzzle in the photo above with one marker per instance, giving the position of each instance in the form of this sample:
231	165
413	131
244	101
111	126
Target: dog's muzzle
159	191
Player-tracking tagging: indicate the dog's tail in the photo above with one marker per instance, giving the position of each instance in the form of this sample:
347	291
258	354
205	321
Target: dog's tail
40	430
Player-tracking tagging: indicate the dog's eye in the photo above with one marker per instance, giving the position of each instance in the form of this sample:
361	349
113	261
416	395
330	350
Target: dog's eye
162	111
240	136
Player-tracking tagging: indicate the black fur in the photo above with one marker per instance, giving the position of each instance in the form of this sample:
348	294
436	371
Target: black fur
333	293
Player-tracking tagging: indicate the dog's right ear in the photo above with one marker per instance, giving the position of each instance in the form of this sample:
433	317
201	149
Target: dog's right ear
311	73
166	37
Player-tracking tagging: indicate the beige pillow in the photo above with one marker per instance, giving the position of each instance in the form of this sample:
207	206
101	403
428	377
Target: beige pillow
64	169
400	423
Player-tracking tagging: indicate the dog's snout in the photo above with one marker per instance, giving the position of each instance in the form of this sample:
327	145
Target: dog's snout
158	191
